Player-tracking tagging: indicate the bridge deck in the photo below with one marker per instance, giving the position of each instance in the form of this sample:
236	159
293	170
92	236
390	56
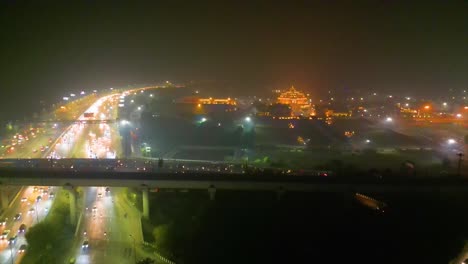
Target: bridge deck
233	181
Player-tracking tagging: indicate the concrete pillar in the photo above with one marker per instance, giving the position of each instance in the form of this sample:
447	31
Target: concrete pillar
212	192
72	196
72	199
4	198
145	203
279	193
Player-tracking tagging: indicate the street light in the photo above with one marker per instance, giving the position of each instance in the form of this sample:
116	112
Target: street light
134	248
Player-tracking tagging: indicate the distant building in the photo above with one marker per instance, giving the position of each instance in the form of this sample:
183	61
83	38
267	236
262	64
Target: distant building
202	106
223	101
297	101
207	101
292	97
338	113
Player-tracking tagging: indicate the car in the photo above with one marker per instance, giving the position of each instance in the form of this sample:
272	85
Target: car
4	234
12	240
35	189
24	199
85	244
17	217
31	210
51	195
3	222
44	192
39	198
22	228
22	248
107	190
94	209
99	195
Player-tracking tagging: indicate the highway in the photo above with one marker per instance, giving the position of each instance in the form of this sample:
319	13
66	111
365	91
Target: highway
79	140
32	210
29	142
103	214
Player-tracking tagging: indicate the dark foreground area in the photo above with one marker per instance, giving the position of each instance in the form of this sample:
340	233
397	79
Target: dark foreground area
255	227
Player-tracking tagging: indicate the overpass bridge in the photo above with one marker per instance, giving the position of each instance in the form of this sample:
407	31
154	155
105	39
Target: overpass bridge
89	172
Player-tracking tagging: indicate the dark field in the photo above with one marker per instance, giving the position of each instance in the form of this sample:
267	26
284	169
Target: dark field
241	227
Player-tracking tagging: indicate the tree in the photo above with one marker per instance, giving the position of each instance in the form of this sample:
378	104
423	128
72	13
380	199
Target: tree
162	235
146	261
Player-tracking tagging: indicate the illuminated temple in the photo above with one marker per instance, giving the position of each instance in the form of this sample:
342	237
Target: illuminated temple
292	96
297	101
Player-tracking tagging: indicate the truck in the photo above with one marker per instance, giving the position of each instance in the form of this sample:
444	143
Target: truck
88	115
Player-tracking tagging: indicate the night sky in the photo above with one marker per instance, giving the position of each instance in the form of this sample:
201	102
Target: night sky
48	51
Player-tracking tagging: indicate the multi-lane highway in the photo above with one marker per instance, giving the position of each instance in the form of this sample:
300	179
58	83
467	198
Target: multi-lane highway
109	228
30	206
111	223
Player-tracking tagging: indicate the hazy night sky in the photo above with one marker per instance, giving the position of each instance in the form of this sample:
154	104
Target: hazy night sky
47	51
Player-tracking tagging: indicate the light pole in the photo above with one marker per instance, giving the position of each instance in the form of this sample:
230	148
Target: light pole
134	247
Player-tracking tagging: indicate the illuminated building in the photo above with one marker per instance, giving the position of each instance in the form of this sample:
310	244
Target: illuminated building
207	101
225	101
338	113
205	106
293	97
297	101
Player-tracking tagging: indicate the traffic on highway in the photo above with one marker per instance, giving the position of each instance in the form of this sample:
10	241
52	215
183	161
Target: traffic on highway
30	206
